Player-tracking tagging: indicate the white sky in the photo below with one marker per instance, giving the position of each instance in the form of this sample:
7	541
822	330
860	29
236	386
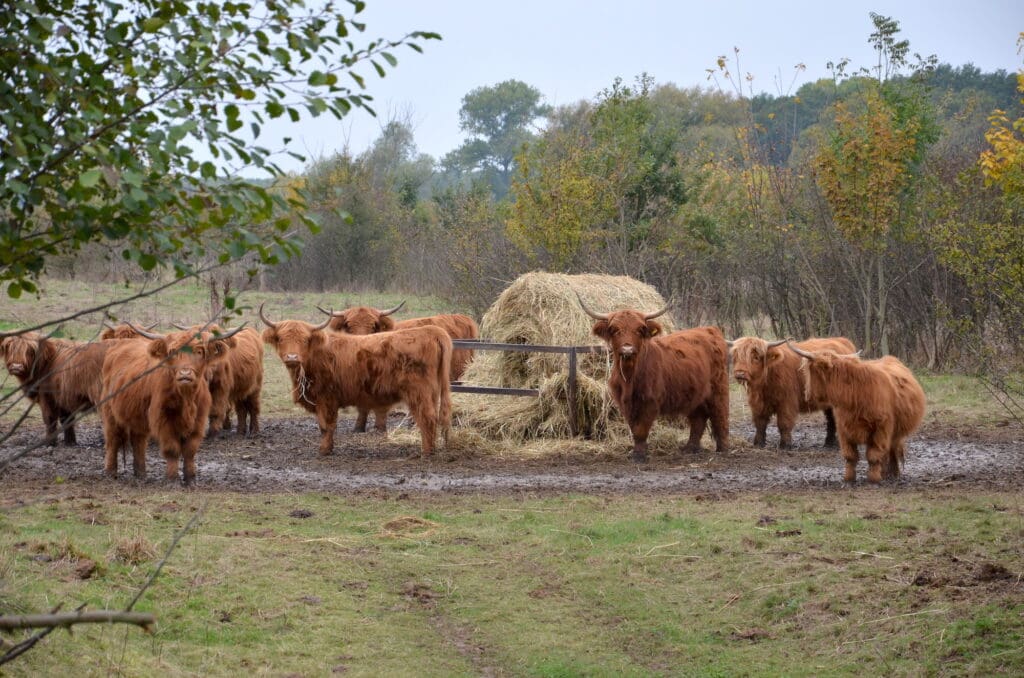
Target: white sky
572	49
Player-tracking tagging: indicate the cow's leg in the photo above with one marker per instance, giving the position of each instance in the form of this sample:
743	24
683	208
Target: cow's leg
720	429
139	443
640	430
424	413
877	453
830	429
253	405
360	426
114	438
698	422
380	419
51	418
188	454
760	429
171	453
67	424
327	419
894	459
786	421
851	454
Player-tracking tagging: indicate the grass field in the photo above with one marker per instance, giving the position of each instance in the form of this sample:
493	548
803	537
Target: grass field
864	581
869	582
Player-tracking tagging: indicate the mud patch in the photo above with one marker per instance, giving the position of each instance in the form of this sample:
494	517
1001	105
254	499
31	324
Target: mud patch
284	458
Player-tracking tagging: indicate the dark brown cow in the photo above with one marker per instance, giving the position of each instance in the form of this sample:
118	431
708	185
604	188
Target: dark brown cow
59	375
876	402
367	320
235	382
331	370
770	374
156	389
678	374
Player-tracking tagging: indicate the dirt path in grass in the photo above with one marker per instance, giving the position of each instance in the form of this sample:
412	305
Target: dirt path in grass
283	458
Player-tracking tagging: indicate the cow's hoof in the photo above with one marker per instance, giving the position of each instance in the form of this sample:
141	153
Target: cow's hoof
639	457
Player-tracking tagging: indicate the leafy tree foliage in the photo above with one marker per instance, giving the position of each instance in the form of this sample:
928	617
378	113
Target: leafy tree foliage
498	119
119	117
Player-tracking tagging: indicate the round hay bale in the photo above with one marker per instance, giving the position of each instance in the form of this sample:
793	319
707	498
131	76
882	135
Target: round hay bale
542	308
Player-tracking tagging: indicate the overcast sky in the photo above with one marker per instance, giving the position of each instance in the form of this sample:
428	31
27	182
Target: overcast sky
572	49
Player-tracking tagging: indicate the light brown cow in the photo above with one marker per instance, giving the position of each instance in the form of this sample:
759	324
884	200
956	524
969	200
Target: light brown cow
122	331
59	375
658	375
235	382
876	402
331	370
364	320
158	389
770	375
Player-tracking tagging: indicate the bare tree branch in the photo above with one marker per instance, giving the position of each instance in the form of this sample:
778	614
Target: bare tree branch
66	620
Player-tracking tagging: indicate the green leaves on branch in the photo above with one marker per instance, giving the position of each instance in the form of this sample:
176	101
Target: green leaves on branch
120	120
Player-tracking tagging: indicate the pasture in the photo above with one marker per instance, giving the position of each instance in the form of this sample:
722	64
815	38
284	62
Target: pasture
558	558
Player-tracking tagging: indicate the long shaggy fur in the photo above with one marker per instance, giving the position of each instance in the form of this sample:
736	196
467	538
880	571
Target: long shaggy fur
61	376
682	374
236	382
153	389
774	387
363	320
877	403
330	371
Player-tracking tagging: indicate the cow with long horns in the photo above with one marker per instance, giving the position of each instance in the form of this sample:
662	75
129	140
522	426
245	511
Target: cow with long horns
364	320
158	389
682	374
770	375
877	403
331	370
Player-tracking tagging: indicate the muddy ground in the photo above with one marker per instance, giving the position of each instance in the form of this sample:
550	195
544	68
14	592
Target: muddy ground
284	458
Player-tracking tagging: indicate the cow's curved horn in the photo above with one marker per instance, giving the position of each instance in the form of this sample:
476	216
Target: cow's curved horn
652	316
325	323
144	333
729	343
264	318
595	316
108	325
180	327
333	314
228	335
780	342
799	351
850	355
392	310
152	326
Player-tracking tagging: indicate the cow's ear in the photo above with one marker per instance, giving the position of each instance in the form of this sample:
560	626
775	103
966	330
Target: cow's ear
601	329
654	328
270	336
339	323
386	324
774	355
158	348
219	349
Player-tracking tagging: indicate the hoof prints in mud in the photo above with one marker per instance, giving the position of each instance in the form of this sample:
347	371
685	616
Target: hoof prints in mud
284	458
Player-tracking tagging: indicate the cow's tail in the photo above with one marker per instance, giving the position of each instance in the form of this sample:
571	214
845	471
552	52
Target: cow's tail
444	375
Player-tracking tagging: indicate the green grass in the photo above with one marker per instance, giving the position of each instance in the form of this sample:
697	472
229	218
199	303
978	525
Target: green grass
842	583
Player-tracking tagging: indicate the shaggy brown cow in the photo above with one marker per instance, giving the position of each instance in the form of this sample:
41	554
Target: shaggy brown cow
157	389
122	331
367	320
876	402
678	374
235	382
770	375
59	375
330	371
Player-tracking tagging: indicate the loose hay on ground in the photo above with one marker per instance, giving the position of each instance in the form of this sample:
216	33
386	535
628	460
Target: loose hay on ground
542	308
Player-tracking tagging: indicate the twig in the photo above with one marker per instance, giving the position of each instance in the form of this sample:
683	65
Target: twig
873	555
663	546
27	644
759	588
66	620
